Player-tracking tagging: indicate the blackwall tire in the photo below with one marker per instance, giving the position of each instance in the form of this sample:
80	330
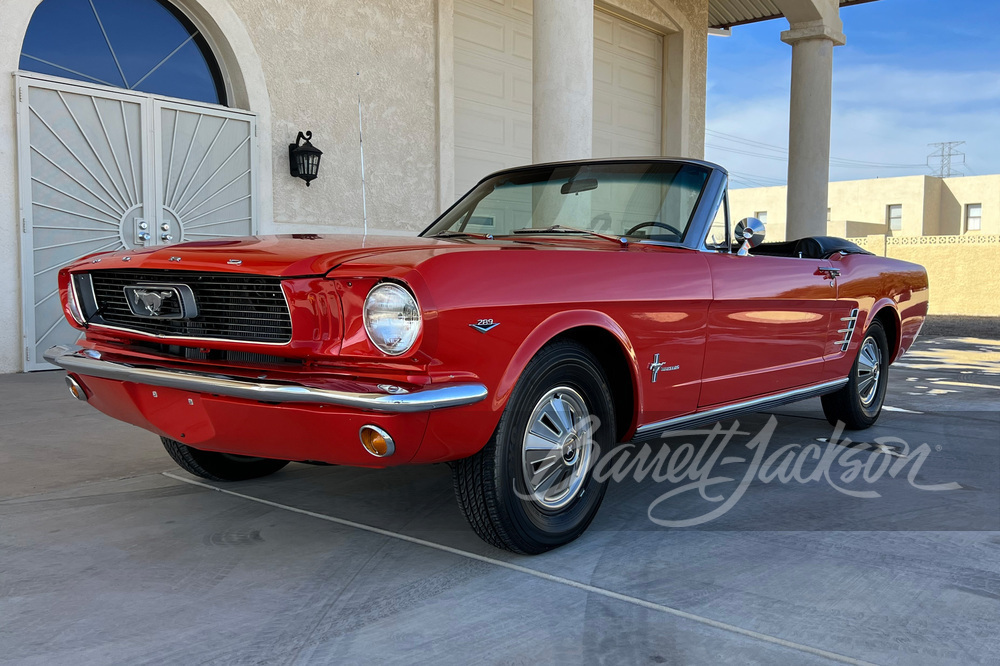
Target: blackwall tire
220	466
530	488
859	402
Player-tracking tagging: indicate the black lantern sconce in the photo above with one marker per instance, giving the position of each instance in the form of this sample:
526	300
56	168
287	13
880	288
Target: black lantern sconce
303	158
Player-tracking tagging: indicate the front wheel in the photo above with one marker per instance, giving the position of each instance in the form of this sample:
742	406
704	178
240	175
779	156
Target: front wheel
530	488
220	466
859	402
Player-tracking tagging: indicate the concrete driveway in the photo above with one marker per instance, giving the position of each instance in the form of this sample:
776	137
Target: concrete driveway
110	554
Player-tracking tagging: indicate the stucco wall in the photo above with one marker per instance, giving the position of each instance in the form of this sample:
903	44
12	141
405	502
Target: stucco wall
983	190
318	56
960	269
14	18
750	201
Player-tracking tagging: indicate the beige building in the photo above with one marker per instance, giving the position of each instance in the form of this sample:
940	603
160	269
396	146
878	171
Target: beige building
155	121
894	207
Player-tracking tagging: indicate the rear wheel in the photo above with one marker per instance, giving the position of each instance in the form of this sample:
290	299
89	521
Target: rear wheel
220	466
859	402
530	488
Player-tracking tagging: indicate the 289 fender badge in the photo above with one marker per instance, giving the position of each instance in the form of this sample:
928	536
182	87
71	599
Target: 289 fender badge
484	325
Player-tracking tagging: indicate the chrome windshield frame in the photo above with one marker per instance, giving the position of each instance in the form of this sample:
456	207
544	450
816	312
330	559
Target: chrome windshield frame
697	228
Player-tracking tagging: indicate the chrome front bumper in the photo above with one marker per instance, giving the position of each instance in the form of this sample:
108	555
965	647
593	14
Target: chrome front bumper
89	363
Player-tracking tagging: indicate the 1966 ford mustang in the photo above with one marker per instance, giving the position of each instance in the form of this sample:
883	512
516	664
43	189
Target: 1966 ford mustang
554	309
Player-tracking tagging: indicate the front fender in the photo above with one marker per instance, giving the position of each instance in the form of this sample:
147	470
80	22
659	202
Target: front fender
552	327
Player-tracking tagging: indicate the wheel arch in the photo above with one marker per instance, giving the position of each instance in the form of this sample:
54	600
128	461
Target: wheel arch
884	312
603	337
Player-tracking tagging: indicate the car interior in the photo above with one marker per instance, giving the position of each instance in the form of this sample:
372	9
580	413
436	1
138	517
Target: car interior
811	247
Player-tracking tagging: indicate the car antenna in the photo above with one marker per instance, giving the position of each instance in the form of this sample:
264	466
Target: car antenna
361	144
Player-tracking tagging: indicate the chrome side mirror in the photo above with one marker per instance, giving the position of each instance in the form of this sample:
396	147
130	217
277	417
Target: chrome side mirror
750	231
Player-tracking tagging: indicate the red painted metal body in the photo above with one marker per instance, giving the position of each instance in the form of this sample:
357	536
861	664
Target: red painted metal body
735	328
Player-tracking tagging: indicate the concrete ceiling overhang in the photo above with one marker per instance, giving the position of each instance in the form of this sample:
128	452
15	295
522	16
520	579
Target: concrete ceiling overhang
727	13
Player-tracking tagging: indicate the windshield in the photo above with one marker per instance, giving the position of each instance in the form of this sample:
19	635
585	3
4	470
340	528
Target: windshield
640	200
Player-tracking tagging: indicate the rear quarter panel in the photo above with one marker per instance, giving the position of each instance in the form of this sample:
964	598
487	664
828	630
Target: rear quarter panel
873	284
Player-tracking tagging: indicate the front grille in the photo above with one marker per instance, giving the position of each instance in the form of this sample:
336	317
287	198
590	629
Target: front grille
245	308
178	352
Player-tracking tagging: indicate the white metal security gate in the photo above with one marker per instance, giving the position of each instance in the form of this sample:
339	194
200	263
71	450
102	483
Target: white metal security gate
102	169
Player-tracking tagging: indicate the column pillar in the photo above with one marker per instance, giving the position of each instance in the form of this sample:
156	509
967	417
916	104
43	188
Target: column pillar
562	81
809	126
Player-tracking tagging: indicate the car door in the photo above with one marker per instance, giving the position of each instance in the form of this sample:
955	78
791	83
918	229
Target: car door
767	326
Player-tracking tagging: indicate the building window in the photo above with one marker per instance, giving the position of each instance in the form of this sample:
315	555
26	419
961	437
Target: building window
894	215
828	215
973	217
761	215
146	45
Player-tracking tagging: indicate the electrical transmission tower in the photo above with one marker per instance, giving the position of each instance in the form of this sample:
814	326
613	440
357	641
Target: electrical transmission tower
944	156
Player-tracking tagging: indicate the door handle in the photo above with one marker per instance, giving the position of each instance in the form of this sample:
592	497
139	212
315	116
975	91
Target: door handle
828	272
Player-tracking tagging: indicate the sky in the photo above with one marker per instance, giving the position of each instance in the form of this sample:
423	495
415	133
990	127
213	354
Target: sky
913	72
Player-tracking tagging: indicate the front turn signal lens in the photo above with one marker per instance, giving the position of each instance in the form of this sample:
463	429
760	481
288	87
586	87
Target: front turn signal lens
74	305
376	441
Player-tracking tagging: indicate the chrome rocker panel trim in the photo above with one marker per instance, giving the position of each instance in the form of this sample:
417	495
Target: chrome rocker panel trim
89	364
652	431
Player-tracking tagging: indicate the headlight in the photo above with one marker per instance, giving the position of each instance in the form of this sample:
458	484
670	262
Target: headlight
392	318
72	304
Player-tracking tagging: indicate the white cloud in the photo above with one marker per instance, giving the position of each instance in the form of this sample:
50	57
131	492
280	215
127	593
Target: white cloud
881	114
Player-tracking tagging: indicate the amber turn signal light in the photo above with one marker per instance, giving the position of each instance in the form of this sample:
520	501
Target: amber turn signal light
376	441
75	389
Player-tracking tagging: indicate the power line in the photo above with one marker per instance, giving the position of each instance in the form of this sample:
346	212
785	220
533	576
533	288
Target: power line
834	161
757	180
945	155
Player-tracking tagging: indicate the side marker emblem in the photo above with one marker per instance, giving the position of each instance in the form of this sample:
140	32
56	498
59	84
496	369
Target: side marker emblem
657	366
484	325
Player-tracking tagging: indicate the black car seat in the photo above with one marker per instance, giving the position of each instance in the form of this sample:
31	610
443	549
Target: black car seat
824	247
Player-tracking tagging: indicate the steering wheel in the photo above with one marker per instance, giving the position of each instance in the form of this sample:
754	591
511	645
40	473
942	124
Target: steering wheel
653	223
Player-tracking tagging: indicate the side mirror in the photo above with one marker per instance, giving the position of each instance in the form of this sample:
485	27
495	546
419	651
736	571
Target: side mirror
750	231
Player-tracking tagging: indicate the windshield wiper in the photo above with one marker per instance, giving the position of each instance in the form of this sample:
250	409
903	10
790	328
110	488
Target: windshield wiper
448	233
561	229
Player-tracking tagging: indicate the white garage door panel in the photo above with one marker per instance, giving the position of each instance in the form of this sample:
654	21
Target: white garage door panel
646	46
492	88
478	31
481	80
493	84
604	28
628	71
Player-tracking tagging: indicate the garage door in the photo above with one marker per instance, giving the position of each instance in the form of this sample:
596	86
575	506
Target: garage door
628	75
493	88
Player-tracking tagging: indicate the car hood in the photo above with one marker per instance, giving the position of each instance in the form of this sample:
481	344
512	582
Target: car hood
294	255
282	255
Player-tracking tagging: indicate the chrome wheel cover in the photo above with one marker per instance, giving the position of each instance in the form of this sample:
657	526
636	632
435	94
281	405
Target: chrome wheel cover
556	448
869	371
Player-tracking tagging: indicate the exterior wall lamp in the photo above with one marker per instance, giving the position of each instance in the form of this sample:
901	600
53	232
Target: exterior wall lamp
303	158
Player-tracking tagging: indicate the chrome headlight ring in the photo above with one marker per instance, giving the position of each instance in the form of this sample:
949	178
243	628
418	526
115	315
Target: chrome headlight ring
392	318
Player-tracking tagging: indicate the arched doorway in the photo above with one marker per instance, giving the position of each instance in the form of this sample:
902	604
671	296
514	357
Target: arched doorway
124	143
144	45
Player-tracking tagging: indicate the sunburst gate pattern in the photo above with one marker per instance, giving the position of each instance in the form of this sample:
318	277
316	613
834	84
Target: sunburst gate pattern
90	178
206	189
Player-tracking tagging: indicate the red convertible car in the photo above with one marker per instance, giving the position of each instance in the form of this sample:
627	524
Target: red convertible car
554	309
